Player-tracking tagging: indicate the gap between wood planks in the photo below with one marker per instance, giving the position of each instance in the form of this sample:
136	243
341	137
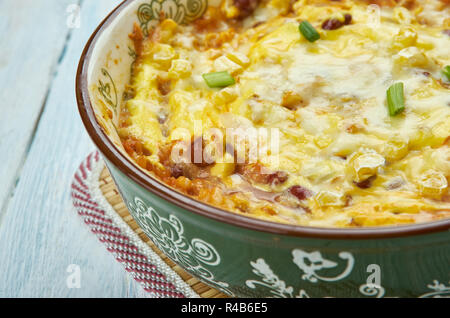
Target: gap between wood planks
54	71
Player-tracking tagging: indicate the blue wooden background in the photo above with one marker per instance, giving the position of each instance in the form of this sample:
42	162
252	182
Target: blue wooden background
42	142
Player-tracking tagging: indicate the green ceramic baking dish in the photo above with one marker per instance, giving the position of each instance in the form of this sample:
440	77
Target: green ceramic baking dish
242	256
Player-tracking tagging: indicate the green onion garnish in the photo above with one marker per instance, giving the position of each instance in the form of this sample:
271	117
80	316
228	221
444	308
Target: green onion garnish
218	79
446	72
395	99
308	31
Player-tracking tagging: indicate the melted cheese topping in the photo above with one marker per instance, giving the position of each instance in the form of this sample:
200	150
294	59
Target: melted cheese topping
341	160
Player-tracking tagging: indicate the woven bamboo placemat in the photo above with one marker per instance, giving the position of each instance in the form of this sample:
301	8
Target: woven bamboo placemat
111	194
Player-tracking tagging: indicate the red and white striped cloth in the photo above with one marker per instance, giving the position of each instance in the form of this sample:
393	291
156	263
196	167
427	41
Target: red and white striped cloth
138	259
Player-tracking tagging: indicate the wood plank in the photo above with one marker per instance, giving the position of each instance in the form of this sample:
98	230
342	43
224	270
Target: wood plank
41	235
32	37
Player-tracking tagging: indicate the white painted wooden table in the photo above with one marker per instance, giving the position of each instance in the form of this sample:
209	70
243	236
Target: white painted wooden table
42	141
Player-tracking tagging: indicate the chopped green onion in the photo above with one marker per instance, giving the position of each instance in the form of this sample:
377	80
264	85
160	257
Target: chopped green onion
446	72
218	79
308	31
395	99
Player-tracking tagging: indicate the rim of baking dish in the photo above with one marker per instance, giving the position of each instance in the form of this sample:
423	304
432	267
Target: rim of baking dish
152	184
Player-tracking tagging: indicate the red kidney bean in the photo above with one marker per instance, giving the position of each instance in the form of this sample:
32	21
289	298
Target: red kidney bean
300	192
366	183
246	7
334	24
176	171
277	178
259	174
348	18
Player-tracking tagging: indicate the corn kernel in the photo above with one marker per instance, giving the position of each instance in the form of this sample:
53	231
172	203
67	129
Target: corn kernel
225	95
291	100
395	149
411	56
229	9
282	5
402	15
432	183
167	27
330	198
366	165
420	138
405	37
225	64
322	141
224	168
440	132
239	58
163	54
180	69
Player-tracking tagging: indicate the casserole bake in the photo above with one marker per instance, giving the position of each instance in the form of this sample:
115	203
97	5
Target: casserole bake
341	159
241	255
